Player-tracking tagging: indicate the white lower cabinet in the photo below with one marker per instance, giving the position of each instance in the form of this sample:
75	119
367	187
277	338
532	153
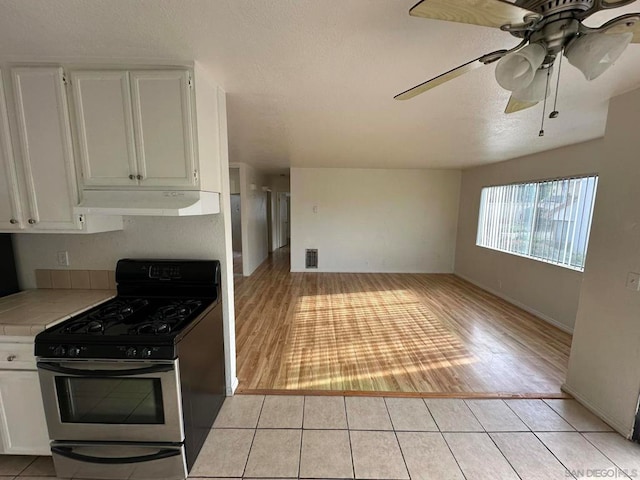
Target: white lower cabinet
23	428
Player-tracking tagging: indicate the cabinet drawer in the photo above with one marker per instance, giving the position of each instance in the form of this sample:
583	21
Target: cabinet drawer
18	356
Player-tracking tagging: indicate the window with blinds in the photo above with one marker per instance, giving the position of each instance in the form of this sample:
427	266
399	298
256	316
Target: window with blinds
548	220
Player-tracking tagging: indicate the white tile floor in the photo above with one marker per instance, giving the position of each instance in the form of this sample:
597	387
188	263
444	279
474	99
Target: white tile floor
279	437
396	438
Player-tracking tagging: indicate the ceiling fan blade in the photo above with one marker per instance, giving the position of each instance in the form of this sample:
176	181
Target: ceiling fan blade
489	13
440	79
516	105
605	4
624	24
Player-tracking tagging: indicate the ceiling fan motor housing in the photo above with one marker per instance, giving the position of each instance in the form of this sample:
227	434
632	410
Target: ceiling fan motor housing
549	7
555	34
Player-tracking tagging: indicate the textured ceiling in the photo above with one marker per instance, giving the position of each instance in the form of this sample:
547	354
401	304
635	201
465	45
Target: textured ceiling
311	82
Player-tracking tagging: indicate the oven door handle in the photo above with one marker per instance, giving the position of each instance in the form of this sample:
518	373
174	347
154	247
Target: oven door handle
56	367
69	453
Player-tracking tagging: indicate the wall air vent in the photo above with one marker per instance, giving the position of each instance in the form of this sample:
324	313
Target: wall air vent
311	258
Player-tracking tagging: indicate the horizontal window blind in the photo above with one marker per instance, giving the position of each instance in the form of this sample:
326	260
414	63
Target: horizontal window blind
548	221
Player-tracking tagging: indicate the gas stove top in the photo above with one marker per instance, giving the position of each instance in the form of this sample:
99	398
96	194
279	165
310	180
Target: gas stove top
157	300
135	316
127	328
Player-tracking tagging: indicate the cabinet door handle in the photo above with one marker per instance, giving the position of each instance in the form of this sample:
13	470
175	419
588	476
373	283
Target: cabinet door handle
139	177
11	358
13	221
132	177
31	221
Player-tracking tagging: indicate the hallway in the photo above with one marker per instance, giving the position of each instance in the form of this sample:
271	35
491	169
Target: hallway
431	334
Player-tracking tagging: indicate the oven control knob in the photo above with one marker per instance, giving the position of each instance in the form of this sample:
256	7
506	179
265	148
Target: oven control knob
73	351
59	351
146	352
131	352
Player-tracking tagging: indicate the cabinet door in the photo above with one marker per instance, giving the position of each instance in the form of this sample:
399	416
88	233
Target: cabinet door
45	140
102	103
22	422
164	128
10	208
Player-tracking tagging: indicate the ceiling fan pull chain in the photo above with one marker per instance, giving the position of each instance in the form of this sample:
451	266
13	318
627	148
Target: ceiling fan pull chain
544	105
555	112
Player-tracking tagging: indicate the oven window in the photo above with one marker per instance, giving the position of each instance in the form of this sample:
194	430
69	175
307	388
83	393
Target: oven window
110	400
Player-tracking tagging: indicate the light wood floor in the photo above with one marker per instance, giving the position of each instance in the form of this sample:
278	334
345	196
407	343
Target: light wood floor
431	334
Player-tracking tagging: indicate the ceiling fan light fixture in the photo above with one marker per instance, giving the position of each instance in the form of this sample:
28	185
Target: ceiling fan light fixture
517	70
594	53
537	89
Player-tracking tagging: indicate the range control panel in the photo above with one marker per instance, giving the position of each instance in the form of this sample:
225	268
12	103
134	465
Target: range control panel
164	272
133	352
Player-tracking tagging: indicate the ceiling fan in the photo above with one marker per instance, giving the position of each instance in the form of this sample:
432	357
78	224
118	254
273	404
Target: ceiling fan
547	29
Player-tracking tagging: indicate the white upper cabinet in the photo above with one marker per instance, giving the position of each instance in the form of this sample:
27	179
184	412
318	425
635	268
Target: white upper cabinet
38	188
163	127
102	101
135	128
46	146
10	209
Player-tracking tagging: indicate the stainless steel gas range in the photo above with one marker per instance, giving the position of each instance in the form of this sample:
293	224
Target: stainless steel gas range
132	386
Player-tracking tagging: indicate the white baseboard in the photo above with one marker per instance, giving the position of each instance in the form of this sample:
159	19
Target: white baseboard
231	389
622	429
519	304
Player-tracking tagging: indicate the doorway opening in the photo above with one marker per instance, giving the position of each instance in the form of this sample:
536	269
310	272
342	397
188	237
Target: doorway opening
236	219
283	225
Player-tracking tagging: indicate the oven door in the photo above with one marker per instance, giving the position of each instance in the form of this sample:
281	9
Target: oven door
102	400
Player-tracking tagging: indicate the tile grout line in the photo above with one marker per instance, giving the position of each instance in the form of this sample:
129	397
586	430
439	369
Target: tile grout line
255	431
431	414
455	459
535	434
395	434
588	411
500	400
27	466
604	454
560	414
519	417
484	430
353	466
424	400
304	402
502	453
386	407
346	412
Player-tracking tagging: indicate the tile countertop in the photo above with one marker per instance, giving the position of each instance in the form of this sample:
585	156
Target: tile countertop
31	311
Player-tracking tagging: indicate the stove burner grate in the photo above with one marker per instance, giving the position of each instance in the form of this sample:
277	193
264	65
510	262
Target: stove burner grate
95	323
165	318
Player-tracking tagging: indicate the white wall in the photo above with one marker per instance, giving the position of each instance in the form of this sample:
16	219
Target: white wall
143	237
372	220
604	368
548	291
253	218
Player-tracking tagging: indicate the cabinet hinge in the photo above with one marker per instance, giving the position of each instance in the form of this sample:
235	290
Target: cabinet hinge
190	81
65	81
195	175
81	218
